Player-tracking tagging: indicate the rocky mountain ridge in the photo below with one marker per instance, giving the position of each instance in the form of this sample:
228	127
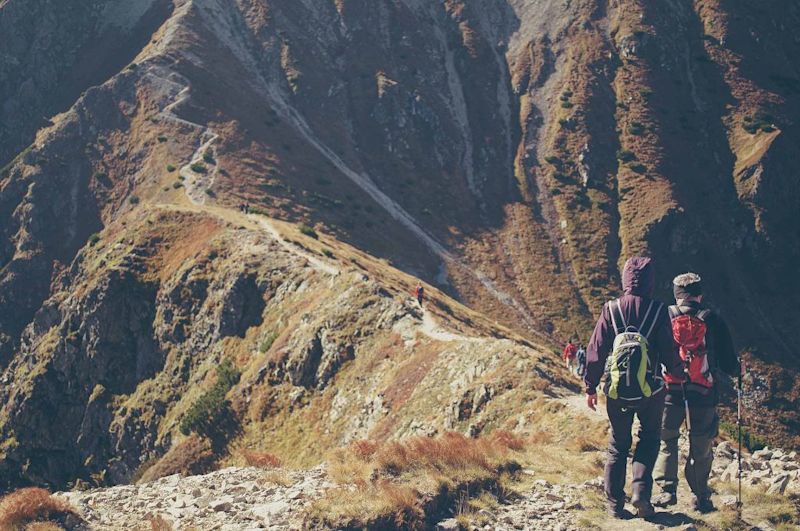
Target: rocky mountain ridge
511	154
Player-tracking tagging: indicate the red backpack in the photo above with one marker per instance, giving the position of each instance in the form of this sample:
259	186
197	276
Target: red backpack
689	332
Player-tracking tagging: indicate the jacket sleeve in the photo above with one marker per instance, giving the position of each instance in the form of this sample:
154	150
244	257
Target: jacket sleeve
668	351
598	350
724	352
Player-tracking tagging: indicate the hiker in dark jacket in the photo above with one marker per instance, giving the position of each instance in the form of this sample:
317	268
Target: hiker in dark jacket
635	308
708	350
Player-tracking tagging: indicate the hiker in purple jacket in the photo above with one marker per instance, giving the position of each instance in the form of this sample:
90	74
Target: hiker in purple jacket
634	309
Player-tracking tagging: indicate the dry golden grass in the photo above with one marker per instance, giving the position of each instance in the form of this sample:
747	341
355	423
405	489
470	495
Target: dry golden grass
159	523
263	460
26	506
388	483
278	477
43	526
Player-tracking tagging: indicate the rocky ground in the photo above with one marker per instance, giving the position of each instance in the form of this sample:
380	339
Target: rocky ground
229	499
238	498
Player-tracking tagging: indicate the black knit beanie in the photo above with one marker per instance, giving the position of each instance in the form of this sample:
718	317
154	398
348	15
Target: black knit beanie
687	285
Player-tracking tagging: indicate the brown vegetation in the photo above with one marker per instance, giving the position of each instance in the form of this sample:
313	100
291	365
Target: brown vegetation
404	482
159	523
32	505
193	455
261	459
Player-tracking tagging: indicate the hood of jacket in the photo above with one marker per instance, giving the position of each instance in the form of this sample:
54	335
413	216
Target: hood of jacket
638	276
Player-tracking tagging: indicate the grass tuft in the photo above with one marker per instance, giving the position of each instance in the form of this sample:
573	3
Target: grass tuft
29	505
394	480
259	459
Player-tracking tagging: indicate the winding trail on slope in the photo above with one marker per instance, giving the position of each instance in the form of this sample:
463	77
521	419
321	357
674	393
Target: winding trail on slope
433	329
317	263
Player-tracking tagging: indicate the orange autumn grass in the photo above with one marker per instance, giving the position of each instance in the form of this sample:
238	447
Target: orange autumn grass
25	506
263	460
393	481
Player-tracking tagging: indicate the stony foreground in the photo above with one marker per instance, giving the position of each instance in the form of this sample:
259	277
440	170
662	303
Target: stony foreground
229	499
251	498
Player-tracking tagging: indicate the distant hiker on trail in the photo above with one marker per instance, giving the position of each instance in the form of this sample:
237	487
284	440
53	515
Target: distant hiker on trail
631	341
706	349
580	359
419	292
569	355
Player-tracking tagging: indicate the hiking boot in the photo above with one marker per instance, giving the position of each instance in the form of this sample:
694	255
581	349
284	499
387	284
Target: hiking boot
703	505
644	509
619	512
665	499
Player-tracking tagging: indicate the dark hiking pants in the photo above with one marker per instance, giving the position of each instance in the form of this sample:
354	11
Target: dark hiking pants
705	426
619	445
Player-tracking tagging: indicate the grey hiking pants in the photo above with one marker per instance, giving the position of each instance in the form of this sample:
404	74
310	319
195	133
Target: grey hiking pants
619	445
705	428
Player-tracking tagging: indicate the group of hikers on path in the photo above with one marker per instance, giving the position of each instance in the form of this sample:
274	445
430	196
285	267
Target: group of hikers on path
575	357
661	364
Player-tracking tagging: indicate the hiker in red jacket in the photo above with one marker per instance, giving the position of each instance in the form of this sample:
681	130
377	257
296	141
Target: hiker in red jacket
630	343
707	351
569	355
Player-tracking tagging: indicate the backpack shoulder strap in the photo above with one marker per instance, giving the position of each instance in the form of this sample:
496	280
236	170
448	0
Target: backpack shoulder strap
653	321
674	311
616	316
703	314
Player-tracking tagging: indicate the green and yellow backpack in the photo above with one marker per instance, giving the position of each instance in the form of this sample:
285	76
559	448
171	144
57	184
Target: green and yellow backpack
630	372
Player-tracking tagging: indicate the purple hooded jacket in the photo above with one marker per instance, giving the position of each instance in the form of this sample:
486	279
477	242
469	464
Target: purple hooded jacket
638	281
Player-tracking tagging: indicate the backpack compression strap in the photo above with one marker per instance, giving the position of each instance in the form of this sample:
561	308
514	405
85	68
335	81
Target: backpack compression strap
653	321
616	316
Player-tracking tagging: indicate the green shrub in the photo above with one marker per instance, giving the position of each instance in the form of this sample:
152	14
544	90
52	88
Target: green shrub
134	199
328	253
636	128
552	159
171	168
162	138
760	121
567	93
100	175
207	412
93	239
266	344
308	231
638	167
210	192
177	184
563	122
751	441
626	155
209	158
566	105
198	167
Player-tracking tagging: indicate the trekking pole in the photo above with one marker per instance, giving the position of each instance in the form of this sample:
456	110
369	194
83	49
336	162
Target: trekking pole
739	434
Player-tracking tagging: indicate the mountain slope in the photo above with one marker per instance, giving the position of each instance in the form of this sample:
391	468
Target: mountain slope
512	153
